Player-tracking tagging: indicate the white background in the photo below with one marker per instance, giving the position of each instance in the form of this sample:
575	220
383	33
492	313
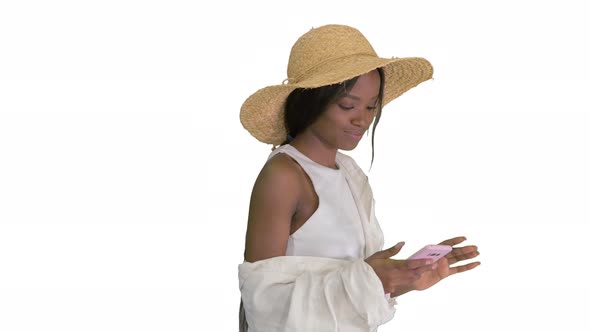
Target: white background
125	173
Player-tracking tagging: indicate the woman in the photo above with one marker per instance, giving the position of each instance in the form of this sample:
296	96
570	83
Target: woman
313	258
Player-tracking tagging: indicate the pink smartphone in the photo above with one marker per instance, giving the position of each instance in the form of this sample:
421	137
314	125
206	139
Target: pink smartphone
432	251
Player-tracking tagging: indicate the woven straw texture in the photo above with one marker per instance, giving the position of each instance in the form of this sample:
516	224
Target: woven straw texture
323	56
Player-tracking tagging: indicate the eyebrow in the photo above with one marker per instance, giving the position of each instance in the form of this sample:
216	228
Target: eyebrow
356	97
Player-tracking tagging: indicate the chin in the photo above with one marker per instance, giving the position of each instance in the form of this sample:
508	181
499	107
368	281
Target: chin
348	147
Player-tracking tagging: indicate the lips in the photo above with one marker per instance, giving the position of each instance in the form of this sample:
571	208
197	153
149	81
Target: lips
355	134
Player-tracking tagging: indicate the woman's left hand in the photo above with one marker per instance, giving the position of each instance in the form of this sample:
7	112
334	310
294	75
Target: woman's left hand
444	269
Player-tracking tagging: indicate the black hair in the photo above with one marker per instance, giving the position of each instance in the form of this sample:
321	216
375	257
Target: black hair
305	105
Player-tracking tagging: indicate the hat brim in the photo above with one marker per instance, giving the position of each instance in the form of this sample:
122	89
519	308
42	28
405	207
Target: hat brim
262	114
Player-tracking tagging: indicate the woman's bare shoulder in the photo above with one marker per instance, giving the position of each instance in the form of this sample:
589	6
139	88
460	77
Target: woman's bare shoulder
281	169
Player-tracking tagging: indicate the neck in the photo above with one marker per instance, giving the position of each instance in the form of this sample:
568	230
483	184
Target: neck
316	150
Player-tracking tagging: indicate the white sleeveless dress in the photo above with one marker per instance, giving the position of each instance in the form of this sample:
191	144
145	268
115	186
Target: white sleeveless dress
334	230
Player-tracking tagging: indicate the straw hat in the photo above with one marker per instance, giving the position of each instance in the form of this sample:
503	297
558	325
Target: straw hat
323	56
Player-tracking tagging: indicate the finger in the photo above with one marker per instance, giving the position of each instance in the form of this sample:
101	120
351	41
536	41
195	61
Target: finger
461	254
457	259
463	268
454	241
458	251
389	252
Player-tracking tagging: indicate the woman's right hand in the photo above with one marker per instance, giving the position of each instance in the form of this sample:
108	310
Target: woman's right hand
398	276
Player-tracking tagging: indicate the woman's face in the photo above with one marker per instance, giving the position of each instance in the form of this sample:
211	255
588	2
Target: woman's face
345	120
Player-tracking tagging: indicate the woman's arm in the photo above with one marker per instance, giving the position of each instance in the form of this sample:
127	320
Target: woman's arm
273	203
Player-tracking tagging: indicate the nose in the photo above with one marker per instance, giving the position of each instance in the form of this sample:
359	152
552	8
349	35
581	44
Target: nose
363	118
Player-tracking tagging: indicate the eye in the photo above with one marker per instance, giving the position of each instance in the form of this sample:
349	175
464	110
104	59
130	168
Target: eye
345	107
374	107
